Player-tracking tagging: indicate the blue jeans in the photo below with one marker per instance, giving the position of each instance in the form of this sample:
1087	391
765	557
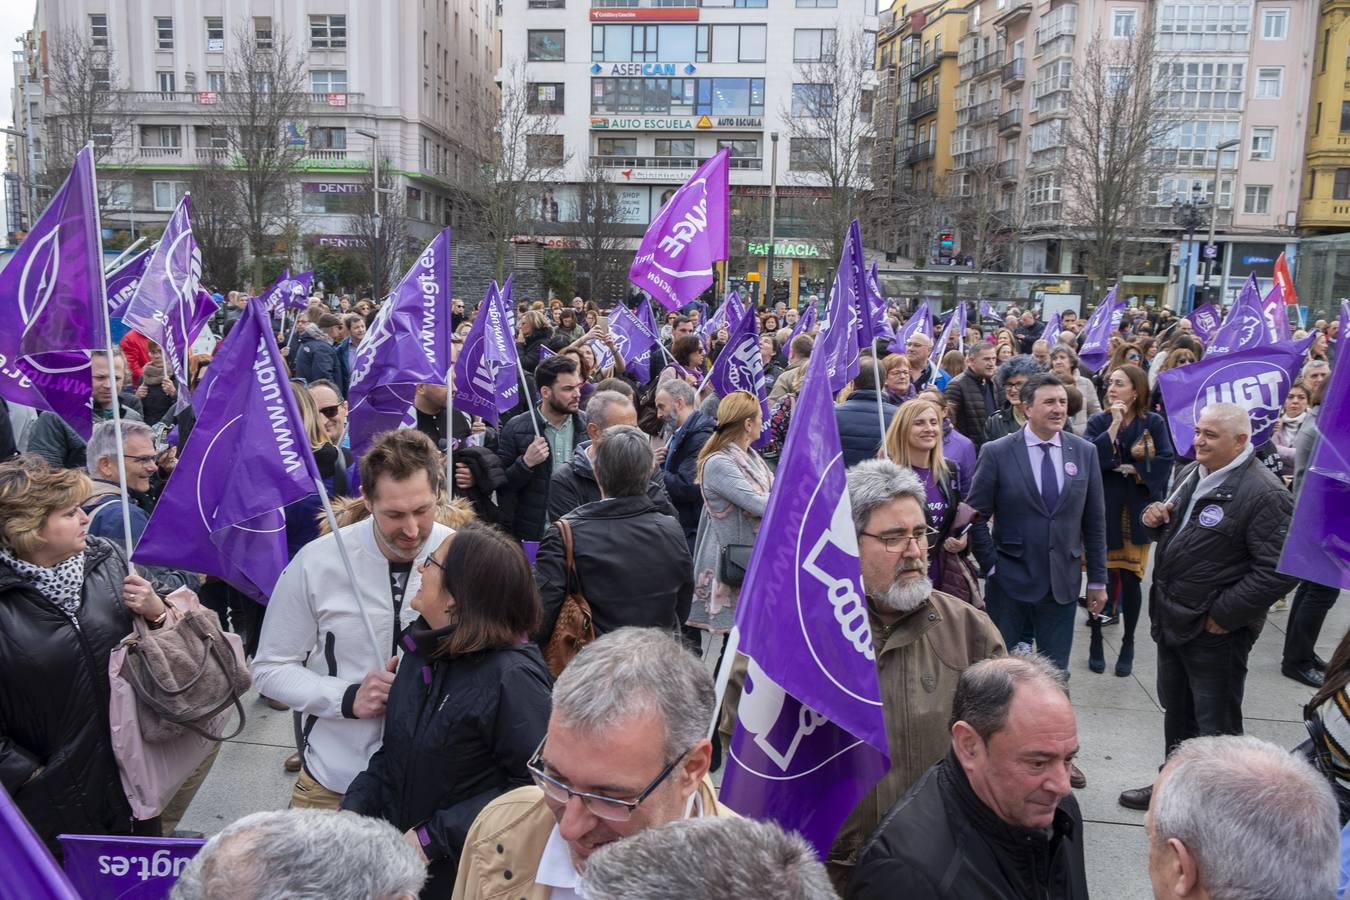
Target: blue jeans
1051	623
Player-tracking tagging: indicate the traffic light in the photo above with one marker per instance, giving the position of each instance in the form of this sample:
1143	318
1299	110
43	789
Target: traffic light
946	244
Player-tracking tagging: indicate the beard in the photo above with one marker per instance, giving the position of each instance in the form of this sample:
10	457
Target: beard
906	595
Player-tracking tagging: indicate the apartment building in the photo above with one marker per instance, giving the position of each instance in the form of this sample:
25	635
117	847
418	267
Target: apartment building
641	92
411	74
1324	204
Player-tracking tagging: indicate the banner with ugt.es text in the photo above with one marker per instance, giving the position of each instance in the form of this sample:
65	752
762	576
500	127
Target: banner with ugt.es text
1257	379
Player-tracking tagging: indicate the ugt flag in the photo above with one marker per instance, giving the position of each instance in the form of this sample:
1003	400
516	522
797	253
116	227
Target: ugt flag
1097	335
289	291
634	340
740	367
408	344
883	329
1245	327
246	460
1277	314
675	260
805	322
1204	321
1317	548
168	307
836	342
1257	380
121	283
485	371
921	322
956	325
51	305
810	738
1053	327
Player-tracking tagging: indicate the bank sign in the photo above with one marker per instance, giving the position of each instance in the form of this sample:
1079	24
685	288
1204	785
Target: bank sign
677	123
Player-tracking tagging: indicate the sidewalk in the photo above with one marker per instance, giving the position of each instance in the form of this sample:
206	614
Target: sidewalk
1119	726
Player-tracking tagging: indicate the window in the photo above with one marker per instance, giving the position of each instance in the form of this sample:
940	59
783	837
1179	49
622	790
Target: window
545	99
1340	190
806	154
679	43
1184	188
1204	26
674	146
328	81
812	45
730	97
262	32
333	197
740	148
1345	116
327	32
812	100
817	4
215	81
101	132
215	34
1256	199
163	33
1197	85
1194	143
1122	23
98	30
166	82
1274	24
102	79
1263	143
616	146
118	193
546	4
545	46
1269	80
168	193
544	149
214	137
325	138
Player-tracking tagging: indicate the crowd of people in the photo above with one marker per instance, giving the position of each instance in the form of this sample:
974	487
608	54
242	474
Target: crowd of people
995	485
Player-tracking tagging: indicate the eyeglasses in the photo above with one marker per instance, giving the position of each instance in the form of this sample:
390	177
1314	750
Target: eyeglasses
331	411
896	542
431	561
611	809
141	460
1013	385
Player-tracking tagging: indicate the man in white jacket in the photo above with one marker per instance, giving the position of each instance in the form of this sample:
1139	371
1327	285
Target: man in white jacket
315	653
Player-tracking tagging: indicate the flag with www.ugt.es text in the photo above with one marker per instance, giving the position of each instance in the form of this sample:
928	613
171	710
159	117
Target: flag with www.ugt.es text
122	281
675	260
485	370
247	459
810	736
1105	319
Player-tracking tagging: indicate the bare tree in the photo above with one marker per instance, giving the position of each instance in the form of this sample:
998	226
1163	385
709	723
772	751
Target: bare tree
921	211
601	238
217	223
985	215
85	102
266	99
831	133
1119	121
384	238
518	154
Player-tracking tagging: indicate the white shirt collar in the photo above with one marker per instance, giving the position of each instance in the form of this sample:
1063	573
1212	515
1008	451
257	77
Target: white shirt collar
1032	441
555	865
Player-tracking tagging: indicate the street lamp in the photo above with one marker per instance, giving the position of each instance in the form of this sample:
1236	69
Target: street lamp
1189	217
377	283
773	209
1214	211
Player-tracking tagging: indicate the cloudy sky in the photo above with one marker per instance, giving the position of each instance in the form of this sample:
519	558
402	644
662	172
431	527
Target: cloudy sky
16	17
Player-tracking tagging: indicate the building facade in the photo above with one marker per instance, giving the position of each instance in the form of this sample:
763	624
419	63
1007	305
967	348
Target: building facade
1324	204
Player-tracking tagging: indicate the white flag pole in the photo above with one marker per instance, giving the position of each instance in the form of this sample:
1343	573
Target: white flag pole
380	651
112	267
881	410
525	392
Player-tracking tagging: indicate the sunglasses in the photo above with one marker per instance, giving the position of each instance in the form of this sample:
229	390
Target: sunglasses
331	412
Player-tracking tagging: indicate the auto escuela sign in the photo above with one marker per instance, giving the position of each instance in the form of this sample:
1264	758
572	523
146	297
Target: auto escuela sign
676	123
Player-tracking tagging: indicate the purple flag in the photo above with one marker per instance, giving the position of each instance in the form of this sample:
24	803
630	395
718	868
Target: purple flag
134	868
805	322
675	260
1097	335
122	283
1317	548
1257	379
408	344
1053	328
288	292
1245	327
810	738
51	305
30	871
1277	314
485	371
247	459
956	324
921	322
883	329
854	276
1204	321
836	341
634	341
740	367
988	316
544	352
166	306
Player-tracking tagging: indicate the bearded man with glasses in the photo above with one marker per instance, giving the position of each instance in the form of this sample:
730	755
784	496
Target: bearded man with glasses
627	749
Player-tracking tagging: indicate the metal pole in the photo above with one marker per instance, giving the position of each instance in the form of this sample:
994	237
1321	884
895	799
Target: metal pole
351	575
773	211
28	142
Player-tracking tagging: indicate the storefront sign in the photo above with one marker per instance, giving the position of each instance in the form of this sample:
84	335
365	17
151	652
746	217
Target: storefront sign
646	14
339	241
634	205
641	69
681	123
786	249
332	187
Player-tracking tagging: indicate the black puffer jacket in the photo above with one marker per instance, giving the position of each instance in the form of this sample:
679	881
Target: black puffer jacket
942	843
54	699
316	357
968	405
632	561
1221	563
860	433
457	734
524	497
681	469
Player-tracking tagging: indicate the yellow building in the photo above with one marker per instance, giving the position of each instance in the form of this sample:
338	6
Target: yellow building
1324	201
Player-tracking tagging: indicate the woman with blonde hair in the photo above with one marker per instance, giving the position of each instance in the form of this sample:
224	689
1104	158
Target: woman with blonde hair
735	482
914	440
534	331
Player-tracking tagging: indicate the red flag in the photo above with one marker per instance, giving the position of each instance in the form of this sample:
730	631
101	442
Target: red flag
1285	281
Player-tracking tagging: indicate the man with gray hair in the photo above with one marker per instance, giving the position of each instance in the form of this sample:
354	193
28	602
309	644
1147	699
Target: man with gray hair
304	853
1219	535
656	864
1236	817
922	638
104	505
627	749
995	819
689	428
574	483
631	558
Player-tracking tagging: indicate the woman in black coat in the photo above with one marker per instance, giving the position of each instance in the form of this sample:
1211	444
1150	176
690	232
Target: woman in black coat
469	705
1134	449
60	618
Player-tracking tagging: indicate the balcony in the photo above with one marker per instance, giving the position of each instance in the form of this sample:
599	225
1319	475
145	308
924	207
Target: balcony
1014	72
1059	23
1001	220
1018	11
1044	213
161	152
670	162
928	62
986	65
1006	170
1052	85
1010	122
326	154
981	113
972	159
1324	212
152	101
925	105
920	152
214	154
